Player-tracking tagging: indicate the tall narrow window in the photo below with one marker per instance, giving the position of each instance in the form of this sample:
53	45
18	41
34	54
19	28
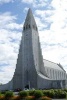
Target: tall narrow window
36	28
24	28
29	26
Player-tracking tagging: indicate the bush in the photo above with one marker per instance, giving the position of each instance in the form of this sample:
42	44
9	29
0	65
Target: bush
23	94
38	93
8	94
4	91
31	92
65	90
60	94
49	93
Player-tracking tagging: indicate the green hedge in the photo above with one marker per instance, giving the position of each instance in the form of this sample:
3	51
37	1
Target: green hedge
60	94
9	94
23	94
38	93
31	92
49	93
35	94
55	93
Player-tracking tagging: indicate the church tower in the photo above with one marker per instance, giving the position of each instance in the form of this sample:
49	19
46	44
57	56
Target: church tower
30	59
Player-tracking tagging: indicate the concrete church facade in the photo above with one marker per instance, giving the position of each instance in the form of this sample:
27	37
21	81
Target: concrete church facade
31	69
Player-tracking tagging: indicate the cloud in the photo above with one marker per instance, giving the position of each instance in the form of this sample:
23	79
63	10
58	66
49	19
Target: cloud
36	3
53	36
25	9
28	1
40	23
10	35
44	13
7	21
43	18
6	1
59	5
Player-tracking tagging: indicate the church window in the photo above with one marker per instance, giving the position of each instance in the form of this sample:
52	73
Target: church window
33	26
64	75
29	26
60	75
56	74
53	72
36	28
24	28
26	35
50	72
47	70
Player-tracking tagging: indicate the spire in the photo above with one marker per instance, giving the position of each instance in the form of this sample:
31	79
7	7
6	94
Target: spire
29	21
29	14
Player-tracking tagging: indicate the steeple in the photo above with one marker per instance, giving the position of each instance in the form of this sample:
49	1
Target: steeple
29	21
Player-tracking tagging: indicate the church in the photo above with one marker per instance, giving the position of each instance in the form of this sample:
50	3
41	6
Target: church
31	69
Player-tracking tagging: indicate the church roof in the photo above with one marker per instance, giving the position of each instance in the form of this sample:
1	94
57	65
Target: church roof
52	65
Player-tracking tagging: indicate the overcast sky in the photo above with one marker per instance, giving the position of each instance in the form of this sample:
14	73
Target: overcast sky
51	19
